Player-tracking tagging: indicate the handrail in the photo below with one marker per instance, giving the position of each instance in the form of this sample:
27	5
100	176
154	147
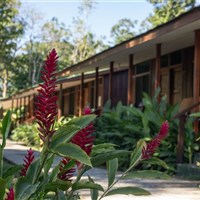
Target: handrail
180	137
178	115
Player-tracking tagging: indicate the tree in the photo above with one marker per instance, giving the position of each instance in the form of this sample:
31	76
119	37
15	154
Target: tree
11	28
84	41
165	11
123	30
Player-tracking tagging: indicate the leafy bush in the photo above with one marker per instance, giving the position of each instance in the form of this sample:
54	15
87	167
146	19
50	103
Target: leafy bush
125	125
29	134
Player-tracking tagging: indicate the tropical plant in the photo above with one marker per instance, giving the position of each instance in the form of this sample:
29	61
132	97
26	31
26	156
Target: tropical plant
125	125
73	144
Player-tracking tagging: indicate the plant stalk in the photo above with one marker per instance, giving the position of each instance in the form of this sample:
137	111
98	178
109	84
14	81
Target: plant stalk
1	160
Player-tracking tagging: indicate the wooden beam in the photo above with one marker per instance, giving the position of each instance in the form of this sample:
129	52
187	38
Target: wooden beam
157	67
131	81
96	88
196	83
60	101
81	95
25	110
180	140
110	81
29	107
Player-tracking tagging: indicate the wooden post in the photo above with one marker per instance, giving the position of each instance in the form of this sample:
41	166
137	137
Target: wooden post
196	83
157	67
60	101
20	109
110	81
96	89
25	110
29	107
131	84
81	95
180	139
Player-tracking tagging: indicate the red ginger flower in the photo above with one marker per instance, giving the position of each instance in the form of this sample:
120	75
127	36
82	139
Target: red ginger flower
149	150
65	175
27	162
10	194
84	138
46	104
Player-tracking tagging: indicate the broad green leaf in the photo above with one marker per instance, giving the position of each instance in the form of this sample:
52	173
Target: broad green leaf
11	171
64	135
82	184
2	188
48	164
6	123
24	189
137	153
32	170
102	148
156	161
93	192
54	173
82	121
128	190
112	166
58	184
68	166
72	151
151	174
104	157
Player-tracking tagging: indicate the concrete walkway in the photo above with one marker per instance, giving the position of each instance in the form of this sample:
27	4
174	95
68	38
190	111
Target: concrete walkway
160	189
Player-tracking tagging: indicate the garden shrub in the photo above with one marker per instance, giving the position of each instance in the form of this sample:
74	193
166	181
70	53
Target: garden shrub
125	125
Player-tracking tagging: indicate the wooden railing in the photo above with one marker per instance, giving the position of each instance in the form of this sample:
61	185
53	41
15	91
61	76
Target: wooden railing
182	115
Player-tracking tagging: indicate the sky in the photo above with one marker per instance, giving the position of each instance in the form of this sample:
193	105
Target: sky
103	17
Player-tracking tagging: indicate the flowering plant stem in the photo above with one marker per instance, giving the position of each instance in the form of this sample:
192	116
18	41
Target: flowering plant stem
116	181
1	160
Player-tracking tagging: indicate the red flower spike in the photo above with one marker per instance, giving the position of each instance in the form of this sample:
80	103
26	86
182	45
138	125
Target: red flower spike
10	194
46	102
84	138
150	149
27	162
65	176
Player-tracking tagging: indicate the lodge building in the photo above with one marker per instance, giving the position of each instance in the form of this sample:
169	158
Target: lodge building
167	56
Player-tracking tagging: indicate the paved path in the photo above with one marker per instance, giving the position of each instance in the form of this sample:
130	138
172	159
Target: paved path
160	189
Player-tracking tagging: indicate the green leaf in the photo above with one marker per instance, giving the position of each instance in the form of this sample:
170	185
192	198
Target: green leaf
11	171
151	174
112	166
82	184
60	195
6	123
102	148
72	151
156	161
93	192
128	190
54	172
137	153
2	188
58	184
104	157
68	166
32	170
64	135
24	189
48	164
82	121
